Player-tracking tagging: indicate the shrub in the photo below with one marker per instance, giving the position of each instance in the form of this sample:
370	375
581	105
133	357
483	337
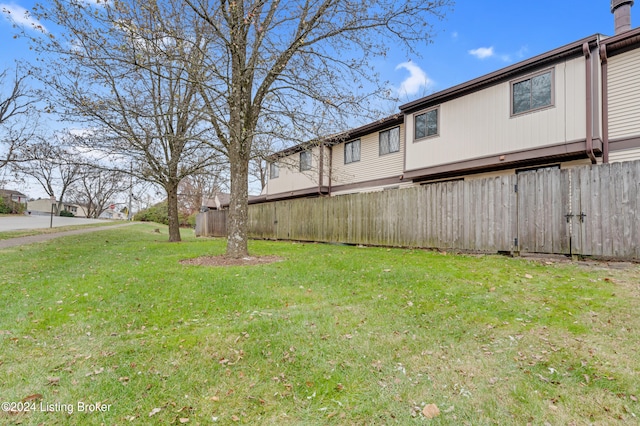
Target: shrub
10	207
66	213
191	220
156	213
159	213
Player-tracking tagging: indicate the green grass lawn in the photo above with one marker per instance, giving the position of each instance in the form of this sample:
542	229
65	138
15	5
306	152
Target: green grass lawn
330	335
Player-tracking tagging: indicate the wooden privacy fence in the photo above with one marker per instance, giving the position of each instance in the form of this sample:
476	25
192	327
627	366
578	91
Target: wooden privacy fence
211	224
590	210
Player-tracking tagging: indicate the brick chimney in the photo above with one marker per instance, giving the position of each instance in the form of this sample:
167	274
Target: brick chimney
621	10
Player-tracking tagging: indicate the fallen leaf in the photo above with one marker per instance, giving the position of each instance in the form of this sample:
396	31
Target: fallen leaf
430	411
633	398
34	397
529	276
544	379
53	381
235	418
155	411
184	420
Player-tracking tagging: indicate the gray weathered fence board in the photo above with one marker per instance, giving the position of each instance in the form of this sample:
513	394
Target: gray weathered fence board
487	215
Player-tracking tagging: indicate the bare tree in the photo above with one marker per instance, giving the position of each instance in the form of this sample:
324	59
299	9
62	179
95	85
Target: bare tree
51	166
291	68
96	188
288	69
118	69
194	189
16	115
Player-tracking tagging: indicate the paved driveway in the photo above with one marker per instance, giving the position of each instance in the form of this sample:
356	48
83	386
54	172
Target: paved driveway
13	223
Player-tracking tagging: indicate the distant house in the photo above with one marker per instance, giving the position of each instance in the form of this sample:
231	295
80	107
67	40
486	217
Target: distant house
575	105
112	213
42	206
15	196
219	201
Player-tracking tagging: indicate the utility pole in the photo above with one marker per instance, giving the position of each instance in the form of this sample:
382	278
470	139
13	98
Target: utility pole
129	216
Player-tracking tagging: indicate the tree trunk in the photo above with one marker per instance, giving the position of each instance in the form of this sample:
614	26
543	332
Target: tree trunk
237	220
172	211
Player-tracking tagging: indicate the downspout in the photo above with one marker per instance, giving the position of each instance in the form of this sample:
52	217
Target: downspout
605	103
330	167
589	78
321	171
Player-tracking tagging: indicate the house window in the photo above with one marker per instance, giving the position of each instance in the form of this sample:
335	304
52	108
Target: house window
274	170
352	151
532	93
390	141
305	161
426	124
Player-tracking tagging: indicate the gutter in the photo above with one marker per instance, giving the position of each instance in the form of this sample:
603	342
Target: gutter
589	78
574	49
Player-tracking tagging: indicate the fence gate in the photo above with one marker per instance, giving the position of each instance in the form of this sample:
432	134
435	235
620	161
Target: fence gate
549	215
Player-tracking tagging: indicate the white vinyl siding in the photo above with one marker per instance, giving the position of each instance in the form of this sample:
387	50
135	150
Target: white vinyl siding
290	178
624	155
480	124
624	95
372	165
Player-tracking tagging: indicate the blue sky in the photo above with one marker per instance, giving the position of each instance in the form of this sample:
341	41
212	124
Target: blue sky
481	36
475	38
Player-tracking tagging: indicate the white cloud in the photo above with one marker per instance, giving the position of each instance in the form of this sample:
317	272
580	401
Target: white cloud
21	16
482	52
416	81
522	52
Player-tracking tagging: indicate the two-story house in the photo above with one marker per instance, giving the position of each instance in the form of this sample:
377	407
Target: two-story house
575	105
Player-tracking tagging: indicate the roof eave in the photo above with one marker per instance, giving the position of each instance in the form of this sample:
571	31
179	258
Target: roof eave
567	51
377	125
621	42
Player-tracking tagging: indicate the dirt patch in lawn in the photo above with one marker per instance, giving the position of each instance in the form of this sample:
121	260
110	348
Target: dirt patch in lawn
230	261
